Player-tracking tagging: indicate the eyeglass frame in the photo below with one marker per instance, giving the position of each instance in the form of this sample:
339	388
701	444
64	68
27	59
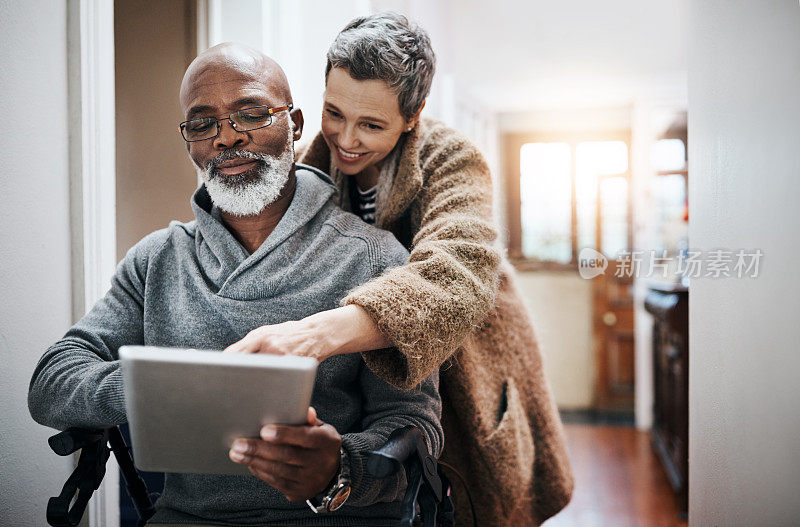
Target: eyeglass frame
272	111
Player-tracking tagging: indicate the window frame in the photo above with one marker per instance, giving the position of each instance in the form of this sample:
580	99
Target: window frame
513	143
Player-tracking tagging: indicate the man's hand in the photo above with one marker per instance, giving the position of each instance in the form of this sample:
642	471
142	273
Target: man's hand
299	461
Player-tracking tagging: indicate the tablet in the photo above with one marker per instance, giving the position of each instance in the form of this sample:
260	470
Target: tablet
185	407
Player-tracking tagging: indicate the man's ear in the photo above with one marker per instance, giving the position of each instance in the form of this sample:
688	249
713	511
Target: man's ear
297	122
411	123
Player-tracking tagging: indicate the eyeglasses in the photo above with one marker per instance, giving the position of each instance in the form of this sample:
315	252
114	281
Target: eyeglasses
242	120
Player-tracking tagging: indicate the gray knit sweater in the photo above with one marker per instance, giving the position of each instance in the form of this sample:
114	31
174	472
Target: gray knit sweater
193	285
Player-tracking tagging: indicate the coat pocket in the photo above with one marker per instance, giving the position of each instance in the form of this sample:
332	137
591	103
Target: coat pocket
508	449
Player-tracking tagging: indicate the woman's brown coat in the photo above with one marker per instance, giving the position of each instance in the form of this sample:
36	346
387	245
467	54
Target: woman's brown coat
455	305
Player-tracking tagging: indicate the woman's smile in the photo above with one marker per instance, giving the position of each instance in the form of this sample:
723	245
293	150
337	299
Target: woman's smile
349	157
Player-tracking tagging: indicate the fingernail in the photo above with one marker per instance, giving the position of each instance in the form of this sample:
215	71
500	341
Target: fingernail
268	433
239	447
236	456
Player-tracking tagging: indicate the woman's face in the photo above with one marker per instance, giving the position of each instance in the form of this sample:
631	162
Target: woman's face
361	121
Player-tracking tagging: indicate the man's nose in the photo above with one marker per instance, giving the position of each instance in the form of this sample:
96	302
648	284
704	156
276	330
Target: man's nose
228	137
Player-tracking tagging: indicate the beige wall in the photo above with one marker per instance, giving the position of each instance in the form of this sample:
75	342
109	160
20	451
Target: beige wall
155	42
560	304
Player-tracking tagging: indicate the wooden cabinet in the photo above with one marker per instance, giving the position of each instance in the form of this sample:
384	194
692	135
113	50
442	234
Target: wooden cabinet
669	305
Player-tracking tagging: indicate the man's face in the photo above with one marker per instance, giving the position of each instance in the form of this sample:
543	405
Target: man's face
243	171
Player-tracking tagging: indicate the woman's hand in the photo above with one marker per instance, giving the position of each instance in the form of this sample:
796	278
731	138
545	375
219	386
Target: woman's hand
289	338
347	329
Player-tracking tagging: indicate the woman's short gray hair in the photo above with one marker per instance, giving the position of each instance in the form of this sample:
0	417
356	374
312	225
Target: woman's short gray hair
388	47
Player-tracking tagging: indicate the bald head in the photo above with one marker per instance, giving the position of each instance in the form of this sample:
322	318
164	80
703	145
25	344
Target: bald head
227	65
246	161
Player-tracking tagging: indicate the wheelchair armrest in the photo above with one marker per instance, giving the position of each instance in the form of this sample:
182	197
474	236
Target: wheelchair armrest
406	448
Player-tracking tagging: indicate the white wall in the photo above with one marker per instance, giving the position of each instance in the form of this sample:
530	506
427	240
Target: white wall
744	133
34	243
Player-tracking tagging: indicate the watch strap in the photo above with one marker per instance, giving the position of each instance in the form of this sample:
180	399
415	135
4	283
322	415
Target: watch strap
341	483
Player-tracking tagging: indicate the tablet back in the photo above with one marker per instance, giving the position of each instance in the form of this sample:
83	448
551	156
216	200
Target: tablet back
186	407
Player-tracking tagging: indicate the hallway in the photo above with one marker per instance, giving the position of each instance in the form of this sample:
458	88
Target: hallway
619	480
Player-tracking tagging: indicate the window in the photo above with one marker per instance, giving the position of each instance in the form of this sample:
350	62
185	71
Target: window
572	194
668	155
546	198
668	191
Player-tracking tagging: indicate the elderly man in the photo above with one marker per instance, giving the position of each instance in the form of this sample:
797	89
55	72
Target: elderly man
267	246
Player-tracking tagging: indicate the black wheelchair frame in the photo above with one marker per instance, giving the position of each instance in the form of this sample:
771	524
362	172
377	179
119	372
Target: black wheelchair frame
427	498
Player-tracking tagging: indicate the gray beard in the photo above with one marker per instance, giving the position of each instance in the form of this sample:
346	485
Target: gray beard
249	193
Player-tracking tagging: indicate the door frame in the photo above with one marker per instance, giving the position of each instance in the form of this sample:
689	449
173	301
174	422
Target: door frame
92	174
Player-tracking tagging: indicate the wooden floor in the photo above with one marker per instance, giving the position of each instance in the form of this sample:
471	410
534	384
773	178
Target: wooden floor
618	481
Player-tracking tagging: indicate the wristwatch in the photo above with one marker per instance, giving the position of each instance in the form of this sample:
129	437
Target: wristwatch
338	493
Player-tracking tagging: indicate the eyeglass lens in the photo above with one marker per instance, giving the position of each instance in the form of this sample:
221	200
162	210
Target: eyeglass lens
243	120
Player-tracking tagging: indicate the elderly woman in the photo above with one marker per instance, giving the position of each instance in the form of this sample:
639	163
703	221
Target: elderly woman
454	305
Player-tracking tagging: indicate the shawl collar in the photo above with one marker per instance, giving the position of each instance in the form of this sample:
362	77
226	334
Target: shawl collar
394	196
224	258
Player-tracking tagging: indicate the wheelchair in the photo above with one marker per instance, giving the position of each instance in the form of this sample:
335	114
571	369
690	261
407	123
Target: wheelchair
426	502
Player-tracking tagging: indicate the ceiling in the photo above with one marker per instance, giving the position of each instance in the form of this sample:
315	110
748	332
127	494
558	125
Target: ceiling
527	55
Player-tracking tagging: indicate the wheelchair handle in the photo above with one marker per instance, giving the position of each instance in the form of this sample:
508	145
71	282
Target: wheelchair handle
73	439
398	448
66	509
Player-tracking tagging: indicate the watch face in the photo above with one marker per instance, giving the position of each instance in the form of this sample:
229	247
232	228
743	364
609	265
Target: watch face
338	499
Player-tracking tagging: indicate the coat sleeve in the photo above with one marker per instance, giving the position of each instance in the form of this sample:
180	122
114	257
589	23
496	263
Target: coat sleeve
429	306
